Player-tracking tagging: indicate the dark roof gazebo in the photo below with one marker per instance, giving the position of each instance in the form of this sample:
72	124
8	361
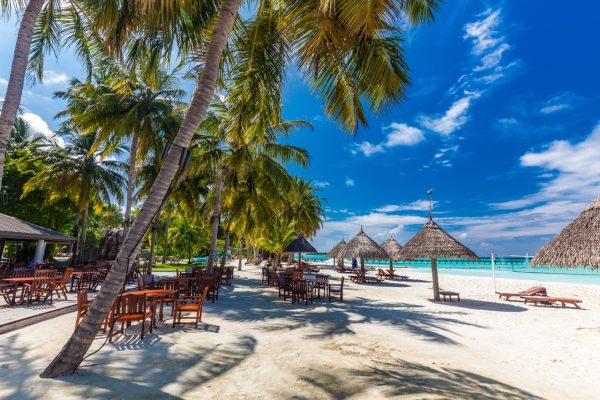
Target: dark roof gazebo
299	245
577	245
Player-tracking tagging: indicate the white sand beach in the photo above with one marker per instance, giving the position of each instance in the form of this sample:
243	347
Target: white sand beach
384	341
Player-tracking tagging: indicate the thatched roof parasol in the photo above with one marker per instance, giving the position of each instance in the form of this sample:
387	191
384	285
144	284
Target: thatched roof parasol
433	242
393	248
335	252
299	245
577	244
361	246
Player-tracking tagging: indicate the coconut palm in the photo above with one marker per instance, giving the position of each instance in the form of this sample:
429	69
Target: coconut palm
277	237
120	108
304	208
348	51
76	173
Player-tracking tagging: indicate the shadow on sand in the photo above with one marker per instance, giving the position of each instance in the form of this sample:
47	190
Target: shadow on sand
481	305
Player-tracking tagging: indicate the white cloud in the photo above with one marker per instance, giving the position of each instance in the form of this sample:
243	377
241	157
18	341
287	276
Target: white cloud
570	173
320	184
38	125
349	182
453	119
560	102
368	149
53	78
417	205
399	134
403	135
484	32
3	82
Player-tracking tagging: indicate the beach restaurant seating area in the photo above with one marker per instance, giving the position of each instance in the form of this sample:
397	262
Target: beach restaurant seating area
181	297
302	283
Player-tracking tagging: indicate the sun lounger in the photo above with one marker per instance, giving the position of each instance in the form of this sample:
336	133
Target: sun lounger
549	300
448	294
532	291
390	275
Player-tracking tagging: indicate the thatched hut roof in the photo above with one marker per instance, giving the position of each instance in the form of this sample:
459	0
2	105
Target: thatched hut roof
299	245
362	246
335	252
393	248
577	245
433	242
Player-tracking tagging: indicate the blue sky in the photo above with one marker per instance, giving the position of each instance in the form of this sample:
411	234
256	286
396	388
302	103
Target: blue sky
502	120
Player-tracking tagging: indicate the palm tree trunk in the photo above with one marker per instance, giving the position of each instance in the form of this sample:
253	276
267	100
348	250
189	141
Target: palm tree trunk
130	183
76	235
226	245
152	245
12	99
83	235
166	241
74	350
215	220
241	253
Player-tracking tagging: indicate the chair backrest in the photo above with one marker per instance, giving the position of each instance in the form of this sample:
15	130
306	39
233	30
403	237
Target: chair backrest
64	279
297	274
131	304
23	272
45	274
82	300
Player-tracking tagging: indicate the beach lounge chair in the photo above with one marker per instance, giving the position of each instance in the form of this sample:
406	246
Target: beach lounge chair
532	291
390	275
549	300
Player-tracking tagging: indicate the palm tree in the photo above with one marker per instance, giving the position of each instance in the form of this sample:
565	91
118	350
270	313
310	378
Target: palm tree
280	234
305	208
186	237
75	173
347	51
120	108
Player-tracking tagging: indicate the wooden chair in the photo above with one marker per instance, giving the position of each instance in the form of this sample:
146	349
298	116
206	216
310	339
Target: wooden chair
86	280
23	273
322	283
337	291
60	285
168	284
146	282
8	291
130	307
301	291
284	284
189	304
42	286
83	304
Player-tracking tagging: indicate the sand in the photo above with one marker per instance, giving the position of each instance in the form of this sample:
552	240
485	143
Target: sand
384	341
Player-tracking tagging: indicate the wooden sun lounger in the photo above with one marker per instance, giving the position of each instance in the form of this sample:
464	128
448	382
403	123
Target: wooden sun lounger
548	300
532	291
390	275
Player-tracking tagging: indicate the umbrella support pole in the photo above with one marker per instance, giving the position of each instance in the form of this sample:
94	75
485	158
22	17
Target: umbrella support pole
434	276
391	266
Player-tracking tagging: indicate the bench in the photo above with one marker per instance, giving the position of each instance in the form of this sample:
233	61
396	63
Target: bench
449	295
548	300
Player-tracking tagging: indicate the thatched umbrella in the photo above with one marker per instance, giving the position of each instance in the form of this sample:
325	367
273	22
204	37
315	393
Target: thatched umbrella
299	245
433	242
577	244
393	249
361	246
337	250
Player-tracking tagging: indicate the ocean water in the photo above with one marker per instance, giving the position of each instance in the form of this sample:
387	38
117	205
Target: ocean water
505	267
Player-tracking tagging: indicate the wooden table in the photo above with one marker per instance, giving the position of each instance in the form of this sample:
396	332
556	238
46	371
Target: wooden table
154	294
16	282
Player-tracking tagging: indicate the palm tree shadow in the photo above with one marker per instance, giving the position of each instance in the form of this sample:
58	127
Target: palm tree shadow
413	379
482	305
160	372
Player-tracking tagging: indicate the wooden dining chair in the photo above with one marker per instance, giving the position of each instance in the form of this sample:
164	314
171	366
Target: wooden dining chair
336	291
190	304
60	284
83	304
130	308
23	272
42	286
